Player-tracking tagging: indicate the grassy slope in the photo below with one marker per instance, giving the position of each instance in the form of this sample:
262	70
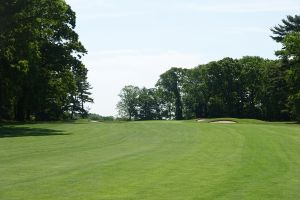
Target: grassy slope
150	160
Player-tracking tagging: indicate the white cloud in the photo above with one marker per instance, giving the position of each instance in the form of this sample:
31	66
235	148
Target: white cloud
104	9
98	9
113	14
141	60
111	70
246	30
243	6
91	3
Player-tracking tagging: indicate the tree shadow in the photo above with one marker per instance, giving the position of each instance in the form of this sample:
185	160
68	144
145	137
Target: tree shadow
11	131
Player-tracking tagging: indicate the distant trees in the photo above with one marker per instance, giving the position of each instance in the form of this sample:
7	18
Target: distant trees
96	117
41	74
170	83
228	87
148	104
288	34
139	103
275	92
250	87
291	49
128	104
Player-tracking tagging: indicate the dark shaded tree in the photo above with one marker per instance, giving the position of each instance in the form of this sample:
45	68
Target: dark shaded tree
39	51
128	104
289	35
195	93
289	25
170	82
148	104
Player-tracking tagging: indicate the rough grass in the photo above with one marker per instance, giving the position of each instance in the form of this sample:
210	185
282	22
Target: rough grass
150	160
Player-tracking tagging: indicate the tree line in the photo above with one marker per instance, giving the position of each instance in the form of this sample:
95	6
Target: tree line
42	76
250	87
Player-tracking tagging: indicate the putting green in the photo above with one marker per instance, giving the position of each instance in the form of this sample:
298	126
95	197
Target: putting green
150	160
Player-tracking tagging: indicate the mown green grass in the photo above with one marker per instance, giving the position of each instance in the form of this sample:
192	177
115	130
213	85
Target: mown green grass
150	160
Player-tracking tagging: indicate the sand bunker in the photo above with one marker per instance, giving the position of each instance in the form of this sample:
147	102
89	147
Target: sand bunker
201	120
223	122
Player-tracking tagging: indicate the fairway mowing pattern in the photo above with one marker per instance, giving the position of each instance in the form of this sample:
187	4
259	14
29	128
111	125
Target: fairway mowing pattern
150	160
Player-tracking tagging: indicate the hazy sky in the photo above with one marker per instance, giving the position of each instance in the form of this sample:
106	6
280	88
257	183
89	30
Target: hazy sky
131	42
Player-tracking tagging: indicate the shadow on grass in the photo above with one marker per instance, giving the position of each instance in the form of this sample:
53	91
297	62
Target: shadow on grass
11	131
12	123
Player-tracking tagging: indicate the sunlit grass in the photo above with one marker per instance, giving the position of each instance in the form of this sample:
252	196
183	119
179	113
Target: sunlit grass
150	160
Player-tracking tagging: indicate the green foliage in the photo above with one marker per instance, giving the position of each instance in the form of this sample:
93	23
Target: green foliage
289	35
170	83
96	117
226	88
140	103
148	104
128	103
250	87
290	25
275	92
41	73
195	93
222	80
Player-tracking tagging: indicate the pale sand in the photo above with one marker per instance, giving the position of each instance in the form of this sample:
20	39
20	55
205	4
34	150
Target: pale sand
223	122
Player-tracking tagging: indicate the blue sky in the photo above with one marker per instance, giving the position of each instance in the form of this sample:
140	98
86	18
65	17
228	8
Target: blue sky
131	42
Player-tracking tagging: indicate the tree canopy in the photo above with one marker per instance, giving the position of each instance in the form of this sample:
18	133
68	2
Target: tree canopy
249	87
42	76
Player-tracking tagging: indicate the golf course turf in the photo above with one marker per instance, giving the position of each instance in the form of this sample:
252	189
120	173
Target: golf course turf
164	160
